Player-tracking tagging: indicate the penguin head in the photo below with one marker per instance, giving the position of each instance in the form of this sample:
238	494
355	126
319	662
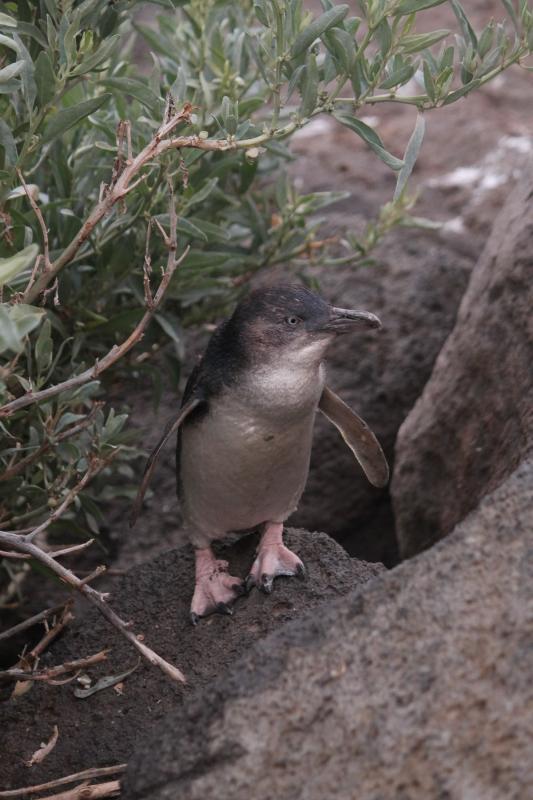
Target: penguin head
293	322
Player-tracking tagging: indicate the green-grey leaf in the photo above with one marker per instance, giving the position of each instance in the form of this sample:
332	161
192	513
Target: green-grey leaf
9	335
455	95
401	75
11	71
319	26
189	229
466	27
420	41
411	154
10	267
26	317
6	21
8	143
94	60
137	89
370	136
412	6
63	120
44	347
45	78
309	87
429	83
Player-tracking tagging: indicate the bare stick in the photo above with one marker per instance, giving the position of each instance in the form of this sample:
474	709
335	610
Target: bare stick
23	545
88	792
116	352
63	551
40	219
53	672
30	622
87	774
50	635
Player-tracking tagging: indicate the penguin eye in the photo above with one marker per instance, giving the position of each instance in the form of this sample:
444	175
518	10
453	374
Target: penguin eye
292	321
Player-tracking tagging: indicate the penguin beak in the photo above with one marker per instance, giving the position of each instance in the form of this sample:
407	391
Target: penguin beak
344	320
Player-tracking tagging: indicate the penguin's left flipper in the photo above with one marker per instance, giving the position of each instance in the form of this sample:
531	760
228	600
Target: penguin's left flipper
357	436
171	427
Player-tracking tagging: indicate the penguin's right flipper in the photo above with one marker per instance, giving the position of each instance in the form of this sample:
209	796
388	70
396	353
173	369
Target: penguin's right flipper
172	425
357	436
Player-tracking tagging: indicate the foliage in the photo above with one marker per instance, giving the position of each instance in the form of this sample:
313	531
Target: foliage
254	74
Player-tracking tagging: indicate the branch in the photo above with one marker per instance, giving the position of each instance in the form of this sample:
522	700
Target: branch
40	219
86	774
23	544
88	792
53	672
63	551
30	622
116	352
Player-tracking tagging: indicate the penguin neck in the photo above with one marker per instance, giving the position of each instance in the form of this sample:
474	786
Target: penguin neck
283	388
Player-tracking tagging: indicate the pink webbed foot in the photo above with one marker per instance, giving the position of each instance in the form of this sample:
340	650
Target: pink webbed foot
215	588
272	560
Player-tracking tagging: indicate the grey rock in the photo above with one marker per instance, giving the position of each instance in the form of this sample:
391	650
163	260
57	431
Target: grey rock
473	423
415	686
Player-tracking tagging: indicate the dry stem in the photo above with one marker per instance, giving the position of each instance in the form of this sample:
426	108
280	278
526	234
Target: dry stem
30	622
53	672
88	792
85	775
42	223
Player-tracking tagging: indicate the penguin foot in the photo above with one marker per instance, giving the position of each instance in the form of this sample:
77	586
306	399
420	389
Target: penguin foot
272	561
215	588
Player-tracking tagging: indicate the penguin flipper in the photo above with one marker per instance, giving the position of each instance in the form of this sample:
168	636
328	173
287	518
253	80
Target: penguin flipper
172	425
357	436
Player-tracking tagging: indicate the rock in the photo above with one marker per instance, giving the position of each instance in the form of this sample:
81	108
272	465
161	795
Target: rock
415	289
416	685
474	421
104	728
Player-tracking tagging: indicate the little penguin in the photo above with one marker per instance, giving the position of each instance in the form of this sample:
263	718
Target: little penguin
245	432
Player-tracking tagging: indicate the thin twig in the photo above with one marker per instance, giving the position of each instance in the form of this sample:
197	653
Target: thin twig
30	622
86	774
87	791
63	551
51	634
40	219
53	672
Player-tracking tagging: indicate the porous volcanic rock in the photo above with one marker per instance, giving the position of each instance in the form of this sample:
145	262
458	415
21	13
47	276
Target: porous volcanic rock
416	686
103	729
415	289
473	423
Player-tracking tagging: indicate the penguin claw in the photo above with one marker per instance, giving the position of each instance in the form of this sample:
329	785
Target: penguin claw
273	561
214	591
